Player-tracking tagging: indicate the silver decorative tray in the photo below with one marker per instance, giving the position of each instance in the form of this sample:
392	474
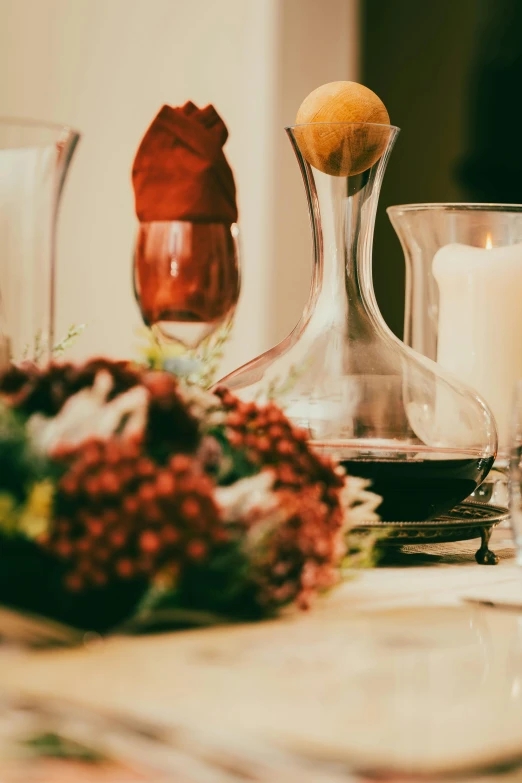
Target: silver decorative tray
466	521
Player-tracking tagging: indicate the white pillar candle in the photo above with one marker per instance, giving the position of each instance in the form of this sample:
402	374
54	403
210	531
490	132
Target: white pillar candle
480	322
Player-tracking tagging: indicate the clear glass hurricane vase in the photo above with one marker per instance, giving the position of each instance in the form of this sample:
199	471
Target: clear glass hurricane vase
34	159
463	277
387	413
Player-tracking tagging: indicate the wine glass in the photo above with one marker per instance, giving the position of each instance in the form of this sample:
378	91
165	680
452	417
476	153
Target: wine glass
186	279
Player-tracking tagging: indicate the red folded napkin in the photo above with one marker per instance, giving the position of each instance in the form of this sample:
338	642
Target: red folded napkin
180	171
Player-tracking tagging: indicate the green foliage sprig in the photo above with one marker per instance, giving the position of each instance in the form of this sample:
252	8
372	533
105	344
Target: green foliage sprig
41	342
197	366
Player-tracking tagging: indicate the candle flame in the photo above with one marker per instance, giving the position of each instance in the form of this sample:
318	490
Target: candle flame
489	242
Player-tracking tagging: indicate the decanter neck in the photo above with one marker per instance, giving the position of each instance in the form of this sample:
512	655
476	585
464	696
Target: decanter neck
343	215
342	208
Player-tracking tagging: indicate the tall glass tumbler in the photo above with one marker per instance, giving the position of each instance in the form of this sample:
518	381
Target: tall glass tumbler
34	159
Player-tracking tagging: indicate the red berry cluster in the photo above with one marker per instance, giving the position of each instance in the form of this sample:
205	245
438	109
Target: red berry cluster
119	515
302	554
269	439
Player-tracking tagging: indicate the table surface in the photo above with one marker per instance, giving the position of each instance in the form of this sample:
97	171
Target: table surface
399	667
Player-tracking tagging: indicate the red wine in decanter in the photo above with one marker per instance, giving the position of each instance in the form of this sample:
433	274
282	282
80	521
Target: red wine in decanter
417	483
186	278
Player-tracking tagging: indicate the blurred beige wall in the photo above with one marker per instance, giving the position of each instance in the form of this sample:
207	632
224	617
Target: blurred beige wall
106	66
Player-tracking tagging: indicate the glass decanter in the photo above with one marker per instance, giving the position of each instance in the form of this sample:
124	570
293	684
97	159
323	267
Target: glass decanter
34	160
425	440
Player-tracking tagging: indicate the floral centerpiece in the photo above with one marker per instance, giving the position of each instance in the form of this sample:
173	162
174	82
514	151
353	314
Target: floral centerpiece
124	490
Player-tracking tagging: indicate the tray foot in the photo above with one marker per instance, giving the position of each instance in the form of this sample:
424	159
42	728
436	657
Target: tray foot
484	555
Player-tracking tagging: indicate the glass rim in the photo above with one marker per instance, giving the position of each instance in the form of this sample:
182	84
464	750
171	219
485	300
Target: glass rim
454	206
347	124
26	123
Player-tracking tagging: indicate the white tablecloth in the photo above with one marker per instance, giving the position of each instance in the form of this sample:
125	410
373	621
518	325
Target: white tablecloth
395	668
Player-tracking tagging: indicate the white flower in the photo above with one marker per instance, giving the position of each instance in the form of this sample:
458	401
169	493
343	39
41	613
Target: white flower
88	414
202	404
358	503
245	496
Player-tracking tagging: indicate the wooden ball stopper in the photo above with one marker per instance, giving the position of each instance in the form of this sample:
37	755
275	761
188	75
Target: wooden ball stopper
342	150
